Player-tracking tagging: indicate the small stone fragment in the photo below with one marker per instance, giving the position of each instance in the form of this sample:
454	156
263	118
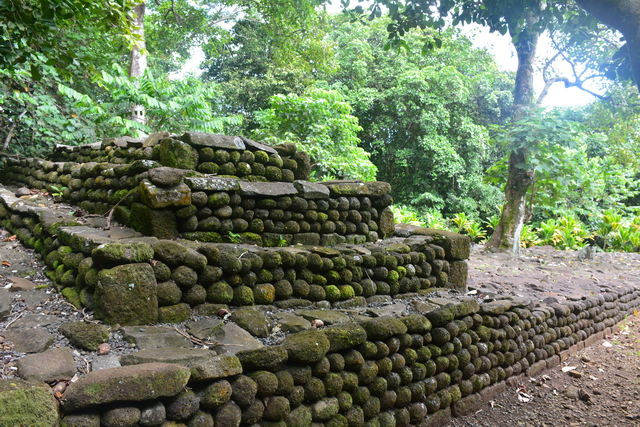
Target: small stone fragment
103	349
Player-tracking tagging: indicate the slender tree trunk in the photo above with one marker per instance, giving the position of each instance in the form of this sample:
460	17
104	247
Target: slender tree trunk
624	16
506	236
138	60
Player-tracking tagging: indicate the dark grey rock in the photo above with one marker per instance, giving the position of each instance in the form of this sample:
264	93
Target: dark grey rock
149	337
5	304
252	321
152	415
29	340
120	417
54	364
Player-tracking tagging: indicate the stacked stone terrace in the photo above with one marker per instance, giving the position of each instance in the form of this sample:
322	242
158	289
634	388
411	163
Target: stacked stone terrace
228	223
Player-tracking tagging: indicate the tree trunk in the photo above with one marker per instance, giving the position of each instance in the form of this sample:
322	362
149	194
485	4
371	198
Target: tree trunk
624	16
138	60
506	236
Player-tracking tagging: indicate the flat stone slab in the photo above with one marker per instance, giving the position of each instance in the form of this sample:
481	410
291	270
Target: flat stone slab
213	140
28	340
221	366
34	320
54	364
291	323
212	184
149	337
106	361
231	339
396	310
148	381
34	297
204	329
329	317
5	304
21	284
258	146
178	355
311	190
267	189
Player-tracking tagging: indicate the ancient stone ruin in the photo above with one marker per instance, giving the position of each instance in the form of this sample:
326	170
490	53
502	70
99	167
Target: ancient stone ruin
220	224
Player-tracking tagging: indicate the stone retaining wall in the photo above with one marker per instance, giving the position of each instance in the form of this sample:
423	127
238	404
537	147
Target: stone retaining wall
128	278
163	187
417	370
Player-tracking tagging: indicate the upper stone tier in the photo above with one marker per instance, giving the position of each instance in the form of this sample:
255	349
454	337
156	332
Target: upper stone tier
211	188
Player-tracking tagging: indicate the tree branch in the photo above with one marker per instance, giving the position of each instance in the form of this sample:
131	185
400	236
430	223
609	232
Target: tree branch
7	140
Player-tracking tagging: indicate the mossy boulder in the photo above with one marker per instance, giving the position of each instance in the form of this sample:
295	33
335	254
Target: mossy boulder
133	383
344	336
307	346
170	252
299	417
416	324
252	321
161	223
177	313
127	295
86	336
27	404
268	358
177	154
383	327
122	253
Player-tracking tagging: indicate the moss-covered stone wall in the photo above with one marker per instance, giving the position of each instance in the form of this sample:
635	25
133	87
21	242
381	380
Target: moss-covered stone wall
94	268
419	370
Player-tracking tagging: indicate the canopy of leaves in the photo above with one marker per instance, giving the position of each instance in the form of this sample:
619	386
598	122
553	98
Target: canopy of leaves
424	116
319	122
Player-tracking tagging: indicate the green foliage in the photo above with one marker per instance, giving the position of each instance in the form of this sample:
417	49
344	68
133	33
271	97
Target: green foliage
38	33
256	63
406	215
173	105
320	122
425	127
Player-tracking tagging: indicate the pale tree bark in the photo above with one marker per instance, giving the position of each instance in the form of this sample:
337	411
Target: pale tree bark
138	60
506	236
624	16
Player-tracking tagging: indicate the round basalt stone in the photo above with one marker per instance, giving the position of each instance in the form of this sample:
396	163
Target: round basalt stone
285	383
385	365
332	383
393	380
161	271
264	293
184	276
215	394
443	380
360	395
168	293
406	376
253	413
378	386
314	390
367	373
195	295
355	416
283	289
353	360
182	406
230	264
440	336
267	383
371	407
388	400
419	371
300	416
349	380
220	293
418	411
466	387
402	417
423	353
277	408
432	403
242	295
228	414
210	274
296	397
300	373
316	293
321	368
403	397
244	390
336	362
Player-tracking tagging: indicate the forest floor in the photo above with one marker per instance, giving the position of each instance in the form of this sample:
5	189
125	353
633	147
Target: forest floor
598	386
